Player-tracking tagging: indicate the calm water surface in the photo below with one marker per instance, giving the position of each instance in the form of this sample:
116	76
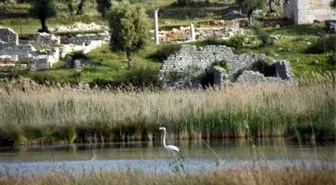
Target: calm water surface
153	157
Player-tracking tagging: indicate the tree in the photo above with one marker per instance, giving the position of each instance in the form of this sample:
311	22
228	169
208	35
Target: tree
70	7
44	9
248	6
129	29
80	7
275	2
103	6
332	4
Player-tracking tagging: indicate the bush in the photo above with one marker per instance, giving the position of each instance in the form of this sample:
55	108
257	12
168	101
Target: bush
143	77
262	35
332	59
164	51
223	64
333	4
237	41
323	45
192	2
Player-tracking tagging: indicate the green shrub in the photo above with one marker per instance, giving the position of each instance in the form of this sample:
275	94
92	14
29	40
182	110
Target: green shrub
323	44
164	51
262	35
192	2
236	41
332	59
143	77
223	64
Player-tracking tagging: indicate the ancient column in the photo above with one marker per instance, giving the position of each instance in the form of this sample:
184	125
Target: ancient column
192	32
156	26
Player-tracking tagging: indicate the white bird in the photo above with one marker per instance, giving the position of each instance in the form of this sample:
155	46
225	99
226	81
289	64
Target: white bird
170	148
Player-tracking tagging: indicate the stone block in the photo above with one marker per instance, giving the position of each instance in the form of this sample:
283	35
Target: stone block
9	35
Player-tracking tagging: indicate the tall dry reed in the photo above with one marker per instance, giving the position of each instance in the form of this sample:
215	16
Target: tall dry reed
239	176
29	111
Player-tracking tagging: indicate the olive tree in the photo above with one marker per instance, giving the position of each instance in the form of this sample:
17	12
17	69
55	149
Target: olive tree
103	6
275	2
248	6
80	7
129	29
43	9
332	4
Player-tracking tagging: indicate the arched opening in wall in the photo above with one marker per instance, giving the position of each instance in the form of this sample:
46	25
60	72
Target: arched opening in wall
208	80
264	68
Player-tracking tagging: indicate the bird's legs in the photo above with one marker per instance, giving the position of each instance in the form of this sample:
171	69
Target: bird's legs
177	158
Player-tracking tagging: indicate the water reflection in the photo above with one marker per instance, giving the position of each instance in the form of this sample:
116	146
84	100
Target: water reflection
225	149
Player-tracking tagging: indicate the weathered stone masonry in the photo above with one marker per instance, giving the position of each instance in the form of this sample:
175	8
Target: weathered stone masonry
306	11
187	67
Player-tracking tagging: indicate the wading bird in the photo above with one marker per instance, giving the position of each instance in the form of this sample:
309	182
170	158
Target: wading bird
171	148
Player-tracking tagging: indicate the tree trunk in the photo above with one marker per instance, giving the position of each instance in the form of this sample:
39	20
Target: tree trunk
70	8
249	14
129	58
270	6
44	25
80	8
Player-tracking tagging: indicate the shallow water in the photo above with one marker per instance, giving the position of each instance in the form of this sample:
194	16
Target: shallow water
152	157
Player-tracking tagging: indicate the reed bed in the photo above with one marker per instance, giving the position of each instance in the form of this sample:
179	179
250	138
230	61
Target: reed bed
50	113
239	176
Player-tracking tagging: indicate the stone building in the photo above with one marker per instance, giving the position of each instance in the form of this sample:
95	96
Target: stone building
306	11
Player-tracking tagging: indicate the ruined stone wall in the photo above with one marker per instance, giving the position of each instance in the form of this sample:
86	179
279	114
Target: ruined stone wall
45	40
187	67
306	11
85	39
189	64
9	35
23	52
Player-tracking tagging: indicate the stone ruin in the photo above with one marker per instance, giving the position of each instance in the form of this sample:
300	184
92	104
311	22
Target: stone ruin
308	11
56	47
224	29
9	35
194	66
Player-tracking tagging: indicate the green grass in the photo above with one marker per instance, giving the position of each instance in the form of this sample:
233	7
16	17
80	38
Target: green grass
294	49
18	18
109	66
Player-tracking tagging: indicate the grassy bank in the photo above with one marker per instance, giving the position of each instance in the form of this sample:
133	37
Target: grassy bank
38	114
238	176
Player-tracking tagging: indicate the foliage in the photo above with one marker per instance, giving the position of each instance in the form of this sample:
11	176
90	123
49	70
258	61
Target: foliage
192	2
248	6
236	41
103	6
129	28
275	2
262	35
44	9
333	3
332	59
144	76
164	51
223	64
80	7
323	45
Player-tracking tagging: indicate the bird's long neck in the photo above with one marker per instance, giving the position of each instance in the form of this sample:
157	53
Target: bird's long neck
164	138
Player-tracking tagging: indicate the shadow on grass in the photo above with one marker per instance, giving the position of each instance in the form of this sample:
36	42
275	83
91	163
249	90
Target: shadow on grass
296	30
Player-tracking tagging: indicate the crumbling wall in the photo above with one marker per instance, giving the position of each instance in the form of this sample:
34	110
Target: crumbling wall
187	67
9	35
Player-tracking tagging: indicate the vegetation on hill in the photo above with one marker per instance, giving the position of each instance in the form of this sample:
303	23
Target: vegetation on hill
300	44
